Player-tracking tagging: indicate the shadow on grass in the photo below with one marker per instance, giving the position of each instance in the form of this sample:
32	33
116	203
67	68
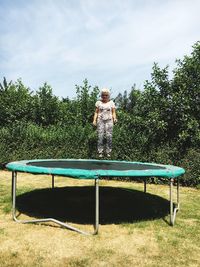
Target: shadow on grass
77	205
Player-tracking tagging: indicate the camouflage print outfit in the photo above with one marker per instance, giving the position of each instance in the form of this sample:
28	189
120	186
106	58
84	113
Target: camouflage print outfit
105	125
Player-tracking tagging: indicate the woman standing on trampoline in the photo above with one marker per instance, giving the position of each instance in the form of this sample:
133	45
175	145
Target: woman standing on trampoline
104	117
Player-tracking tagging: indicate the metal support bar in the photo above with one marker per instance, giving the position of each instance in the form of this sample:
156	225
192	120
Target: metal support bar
178	196
145	185
96	226
173	210
53	180
12	183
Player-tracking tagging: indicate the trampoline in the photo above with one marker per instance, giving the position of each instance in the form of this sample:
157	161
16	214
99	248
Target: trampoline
94	170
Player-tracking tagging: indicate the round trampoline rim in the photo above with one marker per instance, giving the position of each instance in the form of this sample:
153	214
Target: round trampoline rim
170	171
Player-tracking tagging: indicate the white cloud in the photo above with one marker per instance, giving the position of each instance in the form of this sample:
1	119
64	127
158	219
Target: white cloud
112	43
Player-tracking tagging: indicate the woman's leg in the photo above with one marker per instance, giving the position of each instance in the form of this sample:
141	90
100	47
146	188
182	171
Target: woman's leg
100	131
109	131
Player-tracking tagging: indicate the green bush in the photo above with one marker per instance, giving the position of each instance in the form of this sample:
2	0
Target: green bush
191	163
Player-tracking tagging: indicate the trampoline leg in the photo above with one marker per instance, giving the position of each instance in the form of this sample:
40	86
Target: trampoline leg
96	228
145	185
178	197
65	225
14	183
173	210
52	180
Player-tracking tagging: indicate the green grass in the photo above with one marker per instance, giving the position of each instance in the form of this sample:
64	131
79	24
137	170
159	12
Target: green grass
140	239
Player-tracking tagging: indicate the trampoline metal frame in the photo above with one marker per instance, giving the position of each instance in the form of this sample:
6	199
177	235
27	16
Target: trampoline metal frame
174	207
65	225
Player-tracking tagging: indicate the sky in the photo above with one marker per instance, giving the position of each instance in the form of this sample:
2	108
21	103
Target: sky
112	43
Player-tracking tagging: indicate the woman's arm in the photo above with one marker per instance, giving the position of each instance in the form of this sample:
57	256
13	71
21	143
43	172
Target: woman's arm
95	117
114	116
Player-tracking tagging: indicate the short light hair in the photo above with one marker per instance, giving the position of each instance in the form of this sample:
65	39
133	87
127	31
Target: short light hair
105	90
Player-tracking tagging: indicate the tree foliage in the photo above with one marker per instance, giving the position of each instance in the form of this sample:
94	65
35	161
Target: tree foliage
160	123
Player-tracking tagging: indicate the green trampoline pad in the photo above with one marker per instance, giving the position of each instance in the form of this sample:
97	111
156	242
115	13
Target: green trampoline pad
92	169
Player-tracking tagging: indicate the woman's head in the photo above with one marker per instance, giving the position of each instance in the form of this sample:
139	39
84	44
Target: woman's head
105	94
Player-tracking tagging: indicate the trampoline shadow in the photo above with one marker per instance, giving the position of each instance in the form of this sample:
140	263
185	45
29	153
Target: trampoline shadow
77	205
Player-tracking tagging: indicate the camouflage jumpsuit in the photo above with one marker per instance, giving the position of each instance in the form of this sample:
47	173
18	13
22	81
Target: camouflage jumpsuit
105	125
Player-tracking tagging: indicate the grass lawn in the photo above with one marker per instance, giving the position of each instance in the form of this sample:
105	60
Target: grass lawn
134	229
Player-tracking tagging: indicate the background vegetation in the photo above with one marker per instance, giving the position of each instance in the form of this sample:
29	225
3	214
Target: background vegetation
159	124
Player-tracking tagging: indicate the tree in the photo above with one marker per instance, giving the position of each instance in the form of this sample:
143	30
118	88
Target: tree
185	99
46	106
15	102
86	98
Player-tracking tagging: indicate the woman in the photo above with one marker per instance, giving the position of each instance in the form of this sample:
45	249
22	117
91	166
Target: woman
104	117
